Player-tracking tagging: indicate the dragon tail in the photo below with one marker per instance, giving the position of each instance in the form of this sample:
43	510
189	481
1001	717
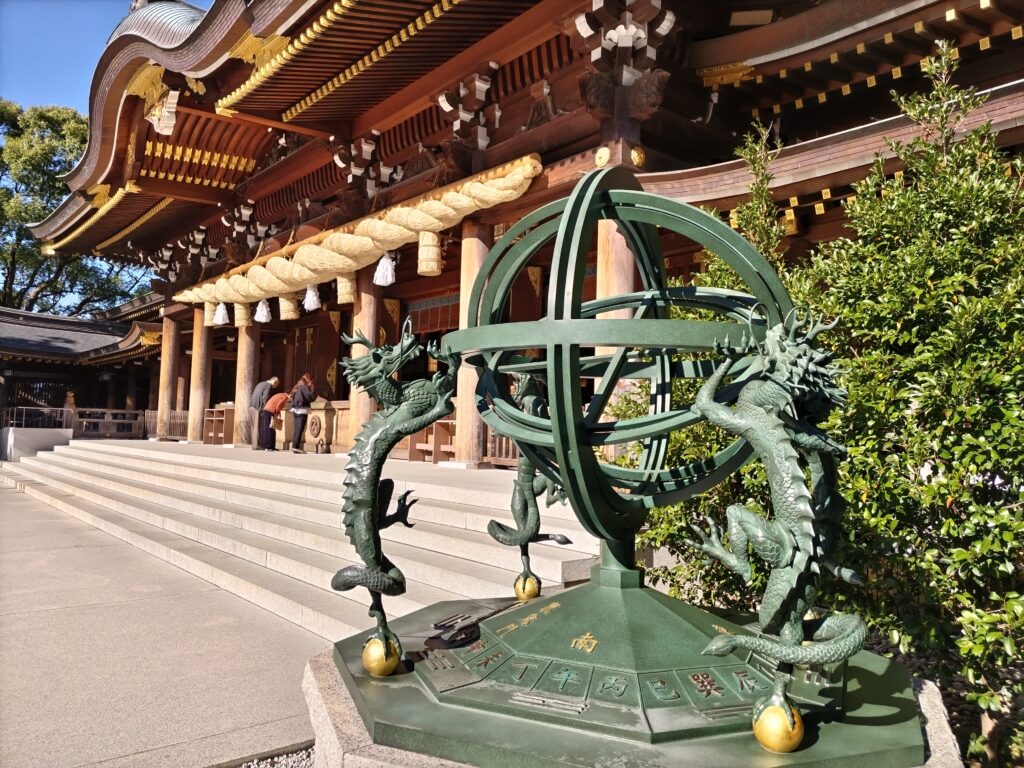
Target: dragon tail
838	638
528	528
391	583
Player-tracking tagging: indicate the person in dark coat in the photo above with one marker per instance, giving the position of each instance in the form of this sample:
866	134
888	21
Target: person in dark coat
258	399
303	395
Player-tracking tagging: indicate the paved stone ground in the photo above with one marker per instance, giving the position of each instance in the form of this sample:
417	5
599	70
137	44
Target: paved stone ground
112	658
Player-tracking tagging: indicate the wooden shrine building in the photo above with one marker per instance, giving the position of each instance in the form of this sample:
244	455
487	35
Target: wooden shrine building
264	157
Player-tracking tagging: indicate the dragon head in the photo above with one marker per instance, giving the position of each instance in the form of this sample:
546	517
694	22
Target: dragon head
805	373
380	362
789	360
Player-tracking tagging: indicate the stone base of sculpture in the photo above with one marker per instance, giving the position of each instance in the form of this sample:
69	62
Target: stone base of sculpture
611	673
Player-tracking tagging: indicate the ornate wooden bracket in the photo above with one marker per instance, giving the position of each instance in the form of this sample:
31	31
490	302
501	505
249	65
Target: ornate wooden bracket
622	39
468	108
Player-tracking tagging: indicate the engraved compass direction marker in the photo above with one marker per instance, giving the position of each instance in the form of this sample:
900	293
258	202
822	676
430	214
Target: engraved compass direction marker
489	659
617	686
706	684
662	690
585	642
565	677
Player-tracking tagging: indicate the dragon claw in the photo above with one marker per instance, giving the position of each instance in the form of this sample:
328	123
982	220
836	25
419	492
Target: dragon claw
777	699
404	505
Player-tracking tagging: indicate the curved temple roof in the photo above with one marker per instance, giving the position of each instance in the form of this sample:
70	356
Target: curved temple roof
35	336
273	80
166	23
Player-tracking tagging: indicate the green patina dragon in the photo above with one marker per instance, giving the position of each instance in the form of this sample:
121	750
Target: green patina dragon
777	412
529	484
406	408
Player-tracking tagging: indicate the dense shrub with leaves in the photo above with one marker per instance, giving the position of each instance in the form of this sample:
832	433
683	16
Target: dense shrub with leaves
930	296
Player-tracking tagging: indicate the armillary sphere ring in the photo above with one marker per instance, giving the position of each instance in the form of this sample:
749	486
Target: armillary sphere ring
612	502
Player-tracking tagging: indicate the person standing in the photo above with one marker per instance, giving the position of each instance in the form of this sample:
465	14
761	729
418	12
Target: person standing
303	395
271	411
260	395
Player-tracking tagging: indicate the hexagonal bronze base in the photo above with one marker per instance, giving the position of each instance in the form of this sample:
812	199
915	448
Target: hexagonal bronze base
605	674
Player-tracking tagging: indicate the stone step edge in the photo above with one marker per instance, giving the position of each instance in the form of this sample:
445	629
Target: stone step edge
475	518
227	462
423	570
103	497
104	453
310	619
204	531
136	473
431	490
546	559
435	491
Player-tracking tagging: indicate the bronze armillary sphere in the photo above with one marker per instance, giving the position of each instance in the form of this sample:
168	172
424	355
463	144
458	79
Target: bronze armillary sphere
612	501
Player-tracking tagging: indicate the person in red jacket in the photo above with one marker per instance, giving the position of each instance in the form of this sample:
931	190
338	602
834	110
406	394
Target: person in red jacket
273	408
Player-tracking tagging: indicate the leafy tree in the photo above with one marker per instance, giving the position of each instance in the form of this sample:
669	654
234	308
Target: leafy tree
37	145
931	300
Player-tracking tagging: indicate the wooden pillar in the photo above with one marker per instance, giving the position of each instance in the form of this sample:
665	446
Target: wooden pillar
469	427
616	270
616	275
199	382
365	318
111	391
290	350
153	389
246	371
131	391
170	340
181	384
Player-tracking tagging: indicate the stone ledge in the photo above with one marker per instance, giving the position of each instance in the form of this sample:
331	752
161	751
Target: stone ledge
943	750
342	740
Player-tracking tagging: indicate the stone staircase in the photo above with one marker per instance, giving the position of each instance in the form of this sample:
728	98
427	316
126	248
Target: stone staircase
267	526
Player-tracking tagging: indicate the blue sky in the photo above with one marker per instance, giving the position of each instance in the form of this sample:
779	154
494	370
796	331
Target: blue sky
49	48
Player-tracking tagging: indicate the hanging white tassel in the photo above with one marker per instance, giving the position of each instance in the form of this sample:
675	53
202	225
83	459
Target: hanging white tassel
220	317
312	300
385	273
262	312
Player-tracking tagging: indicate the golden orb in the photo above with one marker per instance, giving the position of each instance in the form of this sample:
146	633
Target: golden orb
374	660
527	588
773	731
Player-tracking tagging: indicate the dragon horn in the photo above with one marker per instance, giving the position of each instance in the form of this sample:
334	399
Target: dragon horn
358	338
799	323
819	327
407	326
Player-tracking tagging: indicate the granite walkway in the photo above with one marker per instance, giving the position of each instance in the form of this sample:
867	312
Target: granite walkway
110	657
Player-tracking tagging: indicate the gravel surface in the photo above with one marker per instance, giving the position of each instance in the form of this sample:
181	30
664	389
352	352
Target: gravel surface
301	759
